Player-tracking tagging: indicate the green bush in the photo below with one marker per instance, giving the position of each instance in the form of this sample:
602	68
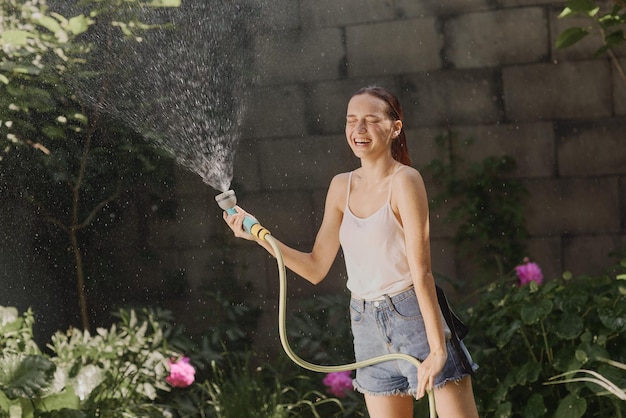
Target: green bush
522	336
117	372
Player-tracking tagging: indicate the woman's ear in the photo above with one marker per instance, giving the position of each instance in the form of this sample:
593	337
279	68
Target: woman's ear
397	126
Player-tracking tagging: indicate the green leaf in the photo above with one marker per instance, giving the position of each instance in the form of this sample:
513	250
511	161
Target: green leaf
506	336
587	7
4	79
613	318
528	373
15	37
7	315
164	3
570	36
29	378
535	407
571	407
63	413
79	24
504	410
565	12
614	39
569	326
533	313
53	132
49	23
66	400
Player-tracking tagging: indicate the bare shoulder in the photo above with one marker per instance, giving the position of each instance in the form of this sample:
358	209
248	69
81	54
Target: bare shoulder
337	191
406	179
408	192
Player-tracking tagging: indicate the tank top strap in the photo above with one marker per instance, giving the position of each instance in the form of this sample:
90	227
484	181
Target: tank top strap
390	181
348	193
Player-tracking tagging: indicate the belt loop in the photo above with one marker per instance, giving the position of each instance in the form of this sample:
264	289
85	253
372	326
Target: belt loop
390	303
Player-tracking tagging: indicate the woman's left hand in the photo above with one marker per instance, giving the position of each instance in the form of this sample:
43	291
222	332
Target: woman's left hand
428	370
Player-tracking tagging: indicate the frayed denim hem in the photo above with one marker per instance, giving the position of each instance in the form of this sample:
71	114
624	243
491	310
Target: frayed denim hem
454	380
410	391
395	392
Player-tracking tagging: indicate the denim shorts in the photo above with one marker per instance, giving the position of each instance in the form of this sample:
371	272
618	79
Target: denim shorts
395	325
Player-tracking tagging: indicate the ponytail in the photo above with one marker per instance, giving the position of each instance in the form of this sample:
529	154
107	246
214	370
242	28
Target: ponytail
399	150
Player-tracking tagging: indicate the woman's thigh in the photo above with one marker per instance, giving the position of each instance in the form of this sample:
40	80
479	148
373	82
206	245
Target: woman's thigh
394	406
456	400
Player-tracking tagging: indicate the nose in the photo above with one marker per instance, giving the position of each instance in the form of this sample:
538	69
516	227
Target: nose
360	126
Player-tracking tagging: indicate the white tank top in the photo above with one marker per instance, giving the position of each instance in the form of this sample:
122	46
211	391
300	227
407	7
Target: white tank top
374	251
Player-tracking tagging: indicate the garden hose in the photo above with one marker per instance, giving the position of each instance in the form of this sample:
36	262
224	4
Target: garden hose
227	201
282	331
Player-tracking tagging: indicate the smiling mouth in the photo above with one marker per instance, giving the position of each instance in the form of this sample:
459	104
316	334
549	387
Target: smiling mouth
362	141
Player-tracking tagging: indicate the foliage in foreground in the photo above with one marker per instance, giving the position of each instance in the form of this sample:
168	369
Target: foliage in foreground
124	371
522	337
117	372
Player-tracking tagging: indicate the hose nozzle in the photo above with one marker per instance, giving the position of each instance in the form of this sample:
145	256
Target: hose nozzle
227	201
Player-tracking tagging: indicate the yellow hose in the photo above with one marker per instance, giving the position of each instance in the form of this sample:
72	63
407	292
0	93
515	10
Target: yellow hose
282	330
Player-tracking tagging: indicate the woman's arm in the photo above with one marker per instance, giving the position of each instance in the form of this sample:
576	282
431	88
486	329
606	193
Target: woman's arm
411	205
312	266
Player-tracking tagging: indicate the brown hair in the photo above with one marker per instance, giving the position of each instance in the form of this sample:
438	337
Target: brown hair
399	150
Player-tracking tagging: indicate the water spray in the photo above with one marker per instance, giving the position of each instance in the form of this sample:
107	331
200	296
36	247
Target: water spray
227	201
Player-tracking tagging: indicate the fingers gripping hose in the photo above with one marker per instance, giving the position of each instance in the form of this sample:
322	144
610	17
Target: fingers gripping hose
227	201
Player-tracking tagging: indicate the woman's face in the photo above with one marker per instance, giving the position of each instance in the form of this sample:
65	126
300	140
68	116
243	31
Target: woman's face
369	129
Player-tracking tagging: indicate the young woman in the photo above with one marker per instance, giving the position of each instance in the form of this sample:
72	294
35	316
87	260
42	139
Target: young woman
378	214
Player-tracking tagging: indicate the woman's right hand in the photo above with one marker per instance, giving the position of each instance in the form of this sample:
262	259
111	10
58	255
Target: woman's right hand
235	223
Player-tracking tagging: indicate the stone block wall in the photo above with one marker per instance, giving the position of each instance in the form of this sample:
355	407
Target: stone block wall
485	69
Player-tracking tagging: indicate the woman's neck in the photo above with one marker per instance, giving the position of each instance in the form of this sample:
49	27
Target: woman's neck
373	172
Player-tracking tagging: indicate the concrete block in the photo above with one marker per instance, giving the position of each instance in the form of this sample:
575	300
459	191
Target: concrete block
412	8
325	13
488	39
276	14
530	144
619	87
189	184
285	213
319	202
445	98
247	166
592	149
440	226
443	257
589	255
197	220
397	47
559	4
275	111
622	205
572	207
299	56
327	102
423	147
568	90
307	162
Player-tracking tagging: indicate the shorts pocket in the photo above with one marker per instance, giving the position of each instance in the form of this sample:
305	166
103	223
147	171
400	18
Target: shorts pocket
356	311
408	308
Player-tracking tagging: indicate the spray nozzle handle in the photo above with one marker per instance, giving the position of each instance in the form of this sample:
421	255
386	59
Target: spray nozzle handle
227	201
248	221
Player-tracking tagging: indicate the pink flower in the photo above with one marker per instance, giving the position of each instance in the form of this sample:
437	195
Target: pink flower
528	272
181	373
338	383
